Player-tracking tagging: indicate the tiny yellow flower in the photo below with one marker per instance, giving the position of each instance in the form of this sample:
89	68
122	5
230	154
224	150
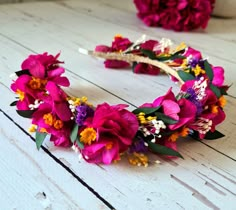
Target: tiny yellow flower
20	94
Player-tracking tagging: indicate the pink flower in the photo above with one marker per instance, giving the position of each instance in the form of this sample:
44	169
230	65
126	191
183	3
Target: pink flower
37	71
218	79
183	110
26	94
179	15
194	53
119	44
143	68
44	66
54	116
115	129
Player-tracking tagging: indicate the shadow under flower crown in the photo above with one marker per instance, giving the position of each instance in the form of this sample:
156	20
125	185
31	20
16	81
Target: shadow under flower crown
104	133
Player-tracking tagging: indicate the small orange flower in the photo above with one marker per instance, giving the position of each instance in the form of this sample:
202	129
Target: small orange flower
88	135
58	124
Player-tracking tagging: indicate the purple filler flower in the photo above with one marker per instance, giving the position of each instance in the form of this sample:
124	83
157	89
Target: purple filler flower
138	146
83	111
193	98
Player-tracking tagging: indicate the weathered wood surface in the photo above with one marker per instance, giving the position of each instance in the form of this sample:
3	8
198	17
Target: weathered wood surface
205	179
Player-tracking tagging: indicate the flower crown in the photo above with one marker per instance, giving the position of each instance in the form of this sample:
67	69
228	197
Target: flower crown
105	133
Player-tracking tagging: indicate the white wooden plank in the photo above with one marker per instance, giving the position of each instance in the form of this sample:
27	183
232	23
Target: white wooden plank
30	179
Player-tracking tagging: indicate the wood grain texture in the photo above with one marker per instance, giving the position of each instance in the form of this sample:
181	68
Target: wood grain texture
205	179
32	180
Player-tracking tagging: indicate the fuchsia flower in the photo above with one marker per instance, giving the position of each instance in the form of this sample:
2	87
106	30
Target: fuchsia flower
44	66
119	44
54	116
143	68
183	110
37	71
179	15
211	113
218	79
115	129
27	95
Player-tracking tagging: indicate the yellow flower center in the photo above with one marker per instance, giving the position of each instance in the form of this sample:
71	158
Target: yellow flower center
109	145
88	135
118	36
58	124
48	119
36	83
214	109
43	130
20	94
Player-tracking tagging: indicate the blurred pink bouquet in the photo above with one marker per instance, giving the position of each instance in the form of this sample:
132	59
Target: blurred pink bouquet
179	15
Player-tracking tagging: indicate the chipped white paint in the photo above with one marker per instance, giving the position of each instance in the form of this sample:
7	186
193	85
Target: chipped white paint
206	179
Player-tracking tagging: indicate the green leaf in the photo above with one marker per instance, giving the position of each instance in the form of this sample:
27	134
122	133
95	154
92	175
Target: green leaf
133	65
166	119
157	148
208	70
149	53
177	56
13	103
213	135
216	90
163	58
146	110
79	143
23	72
39	139
185	76
180	52
223	91
25	113
74	133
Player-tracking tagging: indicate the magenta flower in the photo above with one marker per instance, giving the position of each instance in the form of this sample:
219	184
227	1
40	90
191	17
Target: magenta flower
218	79
194	53
54	116
26	94
179	15
118	45
37	71
143	68
183	110
44	66
115	129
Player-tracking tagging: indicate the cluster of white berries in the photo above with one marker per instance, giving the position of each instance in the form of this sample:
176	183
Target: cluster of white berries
200	88
35	105
157	125
72	107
